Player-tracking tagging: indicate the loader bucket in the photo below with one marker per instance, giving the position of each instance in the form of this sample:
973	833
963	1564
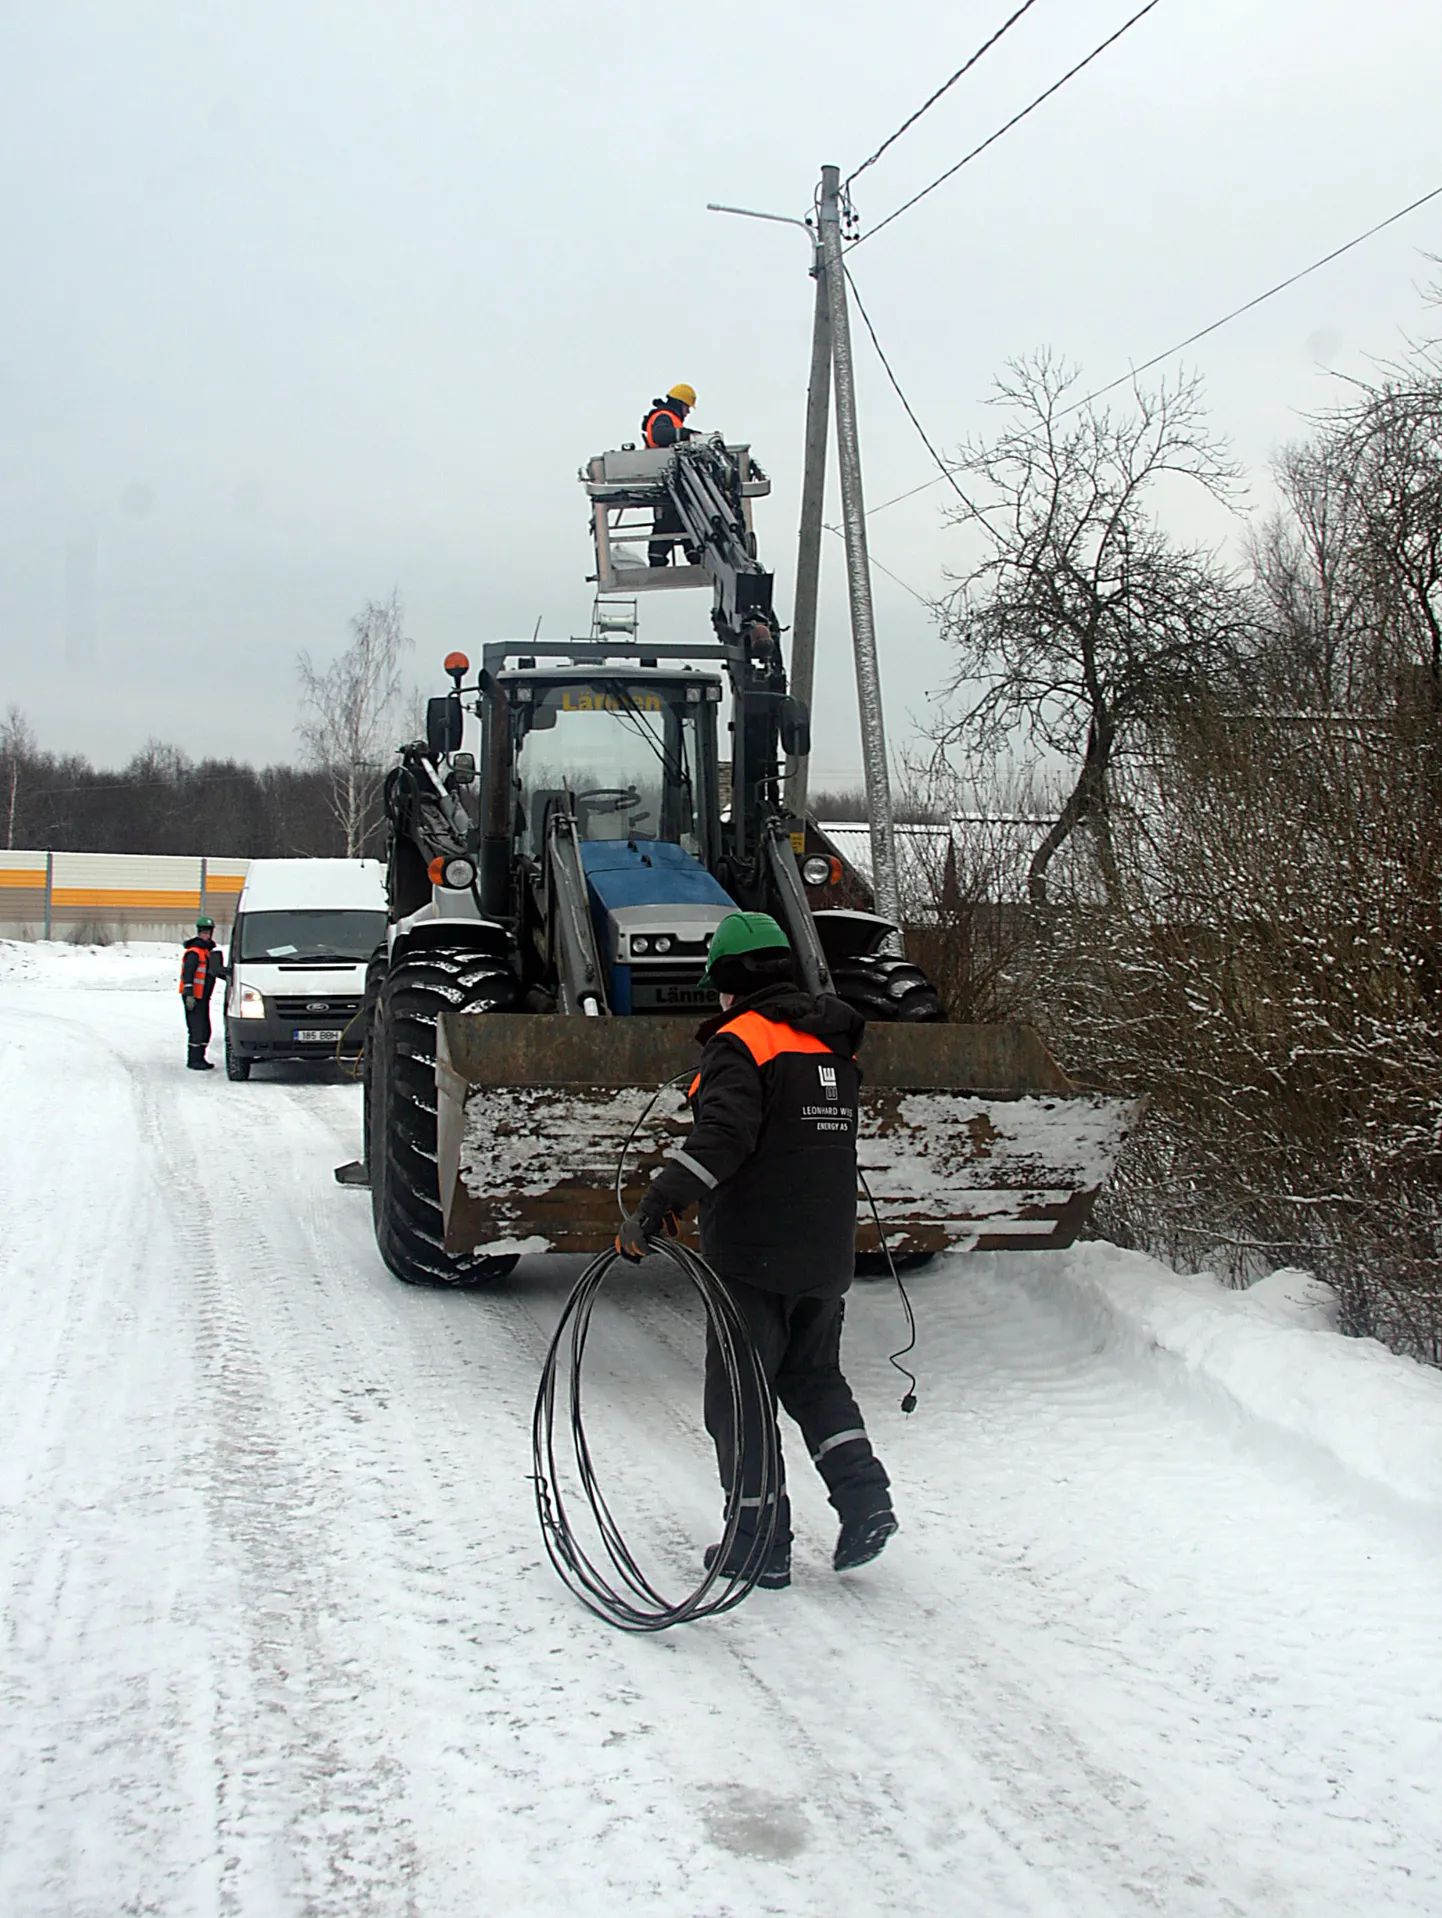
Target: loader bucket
971	1136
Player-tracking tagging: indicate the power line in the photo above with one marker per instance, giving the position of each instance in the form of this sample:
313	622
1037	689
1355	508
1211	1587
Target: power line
1214	326
946	472
1015	120
882	567
1247	305
926	105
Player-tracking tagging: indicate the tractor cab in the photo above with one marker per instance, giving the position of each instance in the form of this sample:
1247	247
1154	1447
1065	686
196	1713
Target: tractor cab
615	788
630	751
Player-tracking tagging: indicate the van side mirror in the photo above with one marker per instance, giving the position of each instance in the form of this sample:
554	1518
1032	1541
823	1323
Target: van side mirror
795	728
443	725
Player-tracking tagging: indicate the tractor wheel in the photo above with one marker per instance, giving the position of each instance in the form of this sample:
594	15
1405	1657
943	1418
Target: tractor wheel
881	986
400	1087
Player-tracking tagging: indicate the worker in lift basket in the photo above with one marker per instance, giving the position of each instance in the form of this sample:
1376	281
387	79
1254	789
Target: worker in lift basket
200	966
664	425
772	1160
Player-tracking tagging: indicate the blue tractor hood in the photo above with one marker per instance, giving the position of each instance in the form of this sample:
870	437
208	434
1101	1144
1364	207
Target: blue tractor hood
648	872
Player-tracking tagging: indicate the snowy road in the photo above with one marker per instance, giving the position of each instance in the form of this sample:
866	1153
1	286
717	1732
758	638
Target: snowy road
280	1637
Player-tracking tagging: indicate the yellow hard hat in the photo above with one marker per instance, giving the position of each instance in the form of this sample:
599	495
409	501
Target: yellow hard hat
681	391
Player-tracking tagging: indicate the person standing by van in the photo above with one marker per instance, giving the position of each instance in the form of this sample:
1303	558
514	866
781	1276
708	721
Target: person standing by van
200	966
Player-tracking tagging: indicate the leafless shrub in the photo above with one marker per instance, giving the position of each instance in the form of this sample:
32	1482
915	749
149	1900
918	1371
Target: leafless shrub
1272	980
1254	938
94	932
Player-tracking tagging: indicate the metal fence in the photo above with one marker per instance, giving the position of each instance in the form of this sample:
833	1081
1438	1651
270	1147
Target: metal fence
104	895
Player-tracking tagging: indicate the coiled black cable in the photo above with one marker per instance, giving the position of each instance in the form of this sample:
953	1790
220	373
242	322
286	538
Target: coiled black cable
620	1592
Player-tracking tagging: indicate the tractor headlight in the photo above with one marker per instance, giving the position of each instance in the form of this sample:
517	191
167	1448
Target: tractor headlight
818	870
458	874
640	946
252	1005
662	944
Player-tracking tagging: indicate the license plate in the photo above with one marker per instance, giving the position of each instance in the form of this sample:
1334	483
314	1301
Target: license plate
317	1035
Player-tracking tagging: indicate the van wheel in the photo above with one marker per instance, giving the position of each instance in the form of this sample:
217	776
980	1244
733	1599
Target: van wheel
236	1067
401	1109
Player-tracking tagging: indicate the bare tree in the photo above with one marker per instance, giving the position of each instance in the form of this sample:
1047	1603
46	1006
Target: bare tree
347	711
1082	621
18	749
1390	439
1319	645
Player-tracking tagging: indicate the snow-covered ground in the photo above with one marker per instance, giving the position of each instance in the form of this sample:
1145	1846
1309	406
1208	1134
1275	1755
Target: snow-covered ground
1162	1632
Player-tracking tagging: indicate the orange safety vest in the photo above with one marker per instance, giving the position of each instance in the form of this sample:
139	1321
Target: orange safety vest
202	971
661	413
765	1039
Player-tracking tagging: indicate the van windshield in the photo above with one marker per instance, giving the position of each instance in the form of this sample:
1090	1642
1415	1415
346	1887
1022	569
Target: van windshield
308	934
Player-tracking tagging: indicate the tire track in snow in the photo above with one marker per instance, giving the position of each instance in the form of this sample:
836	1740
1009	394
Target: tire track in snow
1056	1694
847	1796
285	1771
98	1690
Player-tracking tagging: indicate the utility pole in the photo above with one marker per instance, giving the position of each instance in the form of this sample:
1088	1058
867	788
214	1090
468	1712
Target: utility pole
885	887
813	497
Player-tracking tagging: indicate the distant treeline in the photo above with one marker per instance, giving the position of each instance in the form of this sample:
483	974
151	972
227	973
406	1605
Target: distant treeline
163	802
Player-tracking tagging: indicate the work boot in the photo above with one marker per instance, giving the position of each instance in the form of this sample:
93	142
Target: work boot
775	1573
197	1062
863	1539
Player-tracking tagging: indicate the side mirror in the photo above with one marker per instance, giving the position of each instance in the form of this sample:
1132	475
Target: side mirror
463	769
443	725
795	728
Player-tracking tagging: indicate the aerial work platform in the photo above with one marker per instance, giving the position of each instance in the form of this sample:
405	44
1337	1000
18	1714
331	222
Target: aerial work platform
635	493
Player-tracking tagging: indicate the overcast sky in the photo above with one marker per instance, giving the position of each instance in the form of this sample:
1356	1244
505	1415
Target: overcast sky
305	302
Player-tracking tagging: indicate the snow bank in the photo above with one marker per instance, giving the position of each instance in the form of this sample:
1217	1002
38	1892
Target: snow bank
130	965
1274	1355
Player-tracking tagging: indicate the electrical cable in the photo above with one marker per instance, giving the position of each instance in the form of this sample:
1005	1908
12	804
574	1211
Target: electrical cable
925	437
623	1595
1156	359
1015	120
927	105
908	1403
882	567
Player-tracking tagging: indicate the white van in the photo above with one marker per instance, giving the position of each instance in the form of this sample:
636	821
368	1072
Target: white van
304	930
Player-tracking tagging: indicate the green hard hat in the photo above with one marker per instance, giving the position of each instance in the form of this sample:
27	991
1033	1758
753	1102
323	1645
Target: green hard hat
743	932
203	924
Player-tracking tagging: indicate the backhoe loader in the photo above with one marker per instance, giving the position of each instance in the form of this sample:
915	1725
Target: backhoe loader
563	844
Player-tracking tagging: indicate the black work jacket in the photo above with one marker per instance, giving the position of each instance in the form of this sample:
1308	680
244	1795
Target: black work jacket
662	426
772	1154
196	951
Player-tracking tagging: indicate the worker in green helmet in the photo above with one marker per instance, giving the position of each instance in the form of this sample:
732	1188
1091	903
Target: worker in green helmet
200	966
771	1160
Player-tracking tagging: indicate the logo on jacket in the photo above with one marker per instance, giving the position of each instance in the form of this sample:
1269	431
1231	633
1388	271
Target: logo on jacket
827	1076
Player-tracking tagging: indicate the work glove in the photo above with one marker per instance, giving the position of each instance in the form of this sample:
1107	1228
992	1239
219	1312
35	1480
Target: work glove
633	1240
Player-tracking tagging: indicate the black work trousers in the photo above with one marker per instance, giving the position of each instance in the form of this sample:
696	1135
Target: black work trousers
665	519
799	1344
197	1028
